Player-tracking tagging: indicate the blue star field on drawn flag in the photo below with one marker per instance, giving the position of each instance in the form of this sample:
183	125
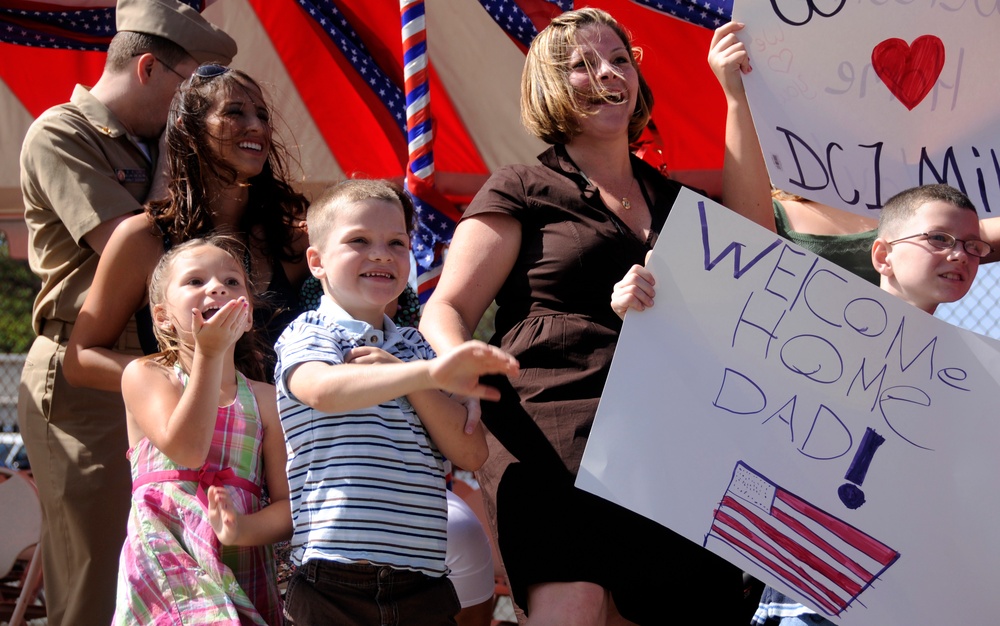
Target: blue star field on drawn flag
710	14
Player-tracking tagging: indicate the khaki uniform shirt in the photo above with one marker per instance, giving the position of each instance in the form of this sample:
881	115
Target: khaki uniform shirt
79	168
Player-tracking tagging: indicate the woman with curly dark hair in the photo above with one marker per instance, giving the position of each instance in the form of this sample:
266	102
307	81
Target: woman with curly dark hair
226	173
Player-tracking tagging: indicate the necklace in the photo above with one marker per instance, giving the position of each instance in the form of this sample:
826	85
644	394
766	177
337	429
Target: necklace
626	203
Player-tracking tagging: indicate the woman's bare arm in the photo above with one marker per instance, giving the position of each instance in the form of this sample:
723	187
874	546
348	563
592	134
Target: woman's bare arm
746	187
482	254
118	291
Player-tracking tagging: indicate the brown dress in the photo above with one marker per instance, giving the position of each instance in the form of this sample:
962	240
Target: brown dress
554	314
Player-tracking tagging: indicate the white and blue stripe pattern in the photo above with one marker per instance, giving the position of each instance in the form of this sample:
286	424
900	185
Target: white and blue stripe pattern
366	485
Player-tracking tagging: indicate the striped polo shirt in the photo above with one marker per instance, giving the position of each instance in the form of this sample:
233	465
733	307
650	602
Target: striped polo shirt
366	485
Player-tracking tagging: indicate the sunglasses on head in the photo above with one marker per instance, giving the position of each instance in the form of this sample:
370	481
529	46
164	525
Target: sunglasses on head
210	70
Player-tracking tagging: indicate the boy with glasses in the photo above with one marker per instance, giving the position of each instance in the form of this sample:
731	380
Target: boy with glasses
929	246
927	253
927	250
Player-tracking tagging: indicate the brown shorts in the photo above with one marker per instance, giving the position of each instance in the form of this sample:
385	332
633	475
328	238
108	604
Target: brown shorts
325	592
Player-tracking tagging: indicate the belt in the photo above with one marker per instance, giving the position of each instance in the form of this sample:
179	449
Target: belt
56	330
59	331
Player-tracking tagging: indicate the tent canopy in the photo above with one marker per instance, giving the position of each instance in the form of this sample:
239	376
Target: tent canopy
334	72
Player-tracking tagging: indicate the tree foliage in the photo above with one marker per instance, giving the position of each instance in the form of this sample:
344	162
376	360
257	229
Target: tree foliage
18	287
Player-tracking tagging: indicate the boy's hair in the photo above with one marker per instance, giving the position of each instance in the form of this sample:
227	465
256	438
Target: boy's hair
550	107
323	209
274	208
901	207
249	354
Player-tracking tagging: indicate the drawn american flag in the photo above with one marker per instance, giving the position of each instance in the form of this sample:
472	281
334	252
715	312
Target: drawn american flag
828	562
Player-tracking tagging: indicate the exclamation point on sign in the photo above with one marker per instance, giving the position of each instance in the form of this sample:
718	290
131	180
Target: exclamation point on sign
851	494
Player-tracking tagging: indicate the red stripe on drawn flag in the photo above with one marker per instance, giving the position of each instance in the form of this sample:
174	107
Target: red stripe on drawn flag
828	562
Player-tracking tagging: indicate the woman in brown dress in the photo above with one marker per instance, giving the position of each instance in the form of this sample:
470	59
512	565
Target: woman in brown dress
548	242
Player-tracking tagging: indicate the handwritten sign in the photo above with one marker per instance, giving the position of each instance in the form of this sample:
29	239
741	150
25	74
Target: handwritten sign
856	101
809	427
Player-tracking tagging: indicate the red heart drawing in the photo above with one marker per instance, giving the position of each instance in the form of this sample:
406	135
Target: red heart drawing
909	71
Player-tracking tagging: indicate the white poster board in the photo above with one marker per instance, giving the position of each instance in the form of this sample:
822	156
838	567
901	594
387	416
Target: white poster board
857	100
737	406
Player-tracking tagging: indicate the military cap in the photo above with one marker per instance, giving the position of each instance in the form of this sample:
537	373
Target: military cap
179	23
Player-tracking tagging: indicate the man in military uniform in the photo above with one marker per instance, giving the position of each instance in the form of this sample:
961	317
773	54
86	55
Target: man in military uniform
85	166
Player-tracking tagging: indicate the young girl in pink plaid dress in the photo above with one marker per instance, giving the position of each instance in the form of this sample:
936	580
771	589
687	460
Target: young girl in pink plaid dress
204	440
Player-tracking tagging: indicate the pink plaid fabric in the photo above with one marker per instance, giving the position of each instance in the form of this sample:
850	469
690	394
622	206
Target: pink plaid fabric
173	569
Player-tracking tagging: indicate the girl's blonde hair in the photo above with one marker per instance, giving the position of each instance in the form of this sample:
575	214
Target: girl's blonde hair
550	107
249	355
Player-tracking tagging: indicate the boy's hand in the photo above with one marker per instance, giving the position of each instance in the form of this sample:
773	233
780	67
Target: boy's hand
473	414
370	354
222	514
635	291
366	355
215	335
458	371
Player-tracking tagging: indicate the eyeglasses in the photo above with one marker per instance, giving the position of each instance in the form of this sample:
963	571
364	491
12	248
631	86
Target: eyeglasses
160	61
945	241
210	70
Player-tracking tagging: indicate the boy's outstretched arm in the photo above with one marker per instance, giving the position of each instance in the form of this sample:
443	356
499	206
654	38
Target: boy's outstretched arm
351	386
459	369
445	417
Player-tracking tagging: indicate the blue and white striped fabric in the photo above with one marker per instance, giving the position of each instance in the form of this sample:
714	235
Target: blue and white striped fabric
366	485
776	609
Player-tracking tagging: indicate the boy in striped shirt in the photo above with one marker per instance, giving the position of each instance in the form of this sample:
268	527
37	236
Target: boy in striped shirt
367	424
